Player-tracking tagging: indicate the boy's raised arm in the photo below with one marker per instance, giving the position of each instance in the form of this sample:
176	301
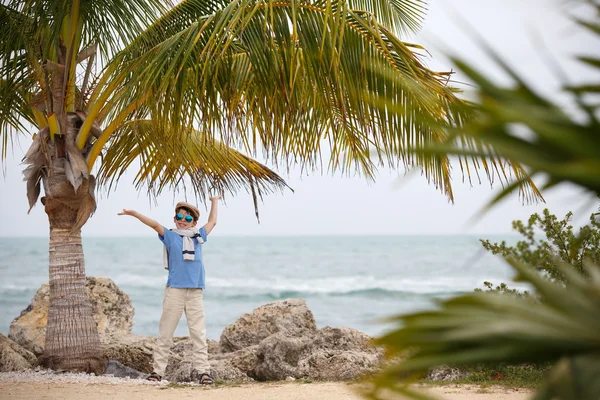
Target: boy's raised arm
212	215
145	220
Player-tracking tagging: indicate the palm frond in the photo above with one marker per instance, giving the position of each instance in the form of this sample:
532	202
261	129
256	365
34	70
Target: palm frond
17	85
522	127
529	129
492	328
109	24
15	113
169	159
14	31
112	24
525	128
291	78
400	16
173	21
16	91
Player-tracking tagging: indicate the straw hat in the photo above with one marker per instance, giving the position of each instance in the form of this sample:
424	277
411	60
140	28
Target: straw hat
192	210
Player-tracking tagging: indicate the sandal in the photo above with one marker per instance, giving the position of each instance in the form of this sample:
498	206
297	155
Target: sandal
154	377
206	379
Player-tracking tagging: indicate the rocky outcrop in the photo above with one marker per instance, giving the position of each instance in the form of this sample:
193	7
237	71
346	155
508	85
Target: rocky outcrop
134	351
276	341
111	307
13	357
280	340
328	354
291	316
29	329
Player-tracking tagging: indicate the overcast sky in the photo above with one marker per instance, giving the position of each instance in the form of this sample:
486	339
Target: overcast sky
526	33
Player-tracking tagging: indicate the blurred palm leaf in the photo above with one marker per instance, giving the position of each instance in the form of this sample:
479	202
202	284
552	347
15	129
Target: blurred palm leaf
493	328
522	127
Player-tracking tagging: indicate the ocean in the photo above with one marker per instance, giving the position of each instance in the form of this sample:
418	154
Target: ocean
353	281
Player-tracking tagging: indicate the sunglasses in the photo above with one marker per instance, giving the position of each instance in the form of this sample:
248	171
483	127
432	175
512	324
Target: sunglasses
188	218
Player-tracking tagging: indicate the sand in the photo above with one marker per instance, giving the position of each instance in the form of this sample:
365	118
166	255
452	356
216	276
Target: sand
249	391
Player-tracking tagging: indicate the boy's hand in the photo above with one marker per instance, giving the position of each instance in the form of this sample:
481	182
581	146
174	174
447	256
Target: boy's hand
212	215
127	212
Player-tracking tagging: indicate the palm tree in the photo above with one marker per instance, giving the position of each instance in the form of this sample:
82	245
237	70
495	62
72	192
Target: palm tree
172	91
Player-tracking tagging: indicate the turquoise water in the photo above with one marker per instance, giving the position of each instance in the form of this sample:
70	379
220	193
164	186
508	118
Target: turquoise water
346	280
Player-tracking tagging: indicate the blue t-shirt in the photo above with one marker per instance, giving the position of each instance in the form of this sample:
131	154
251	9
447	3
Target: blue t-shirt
184	274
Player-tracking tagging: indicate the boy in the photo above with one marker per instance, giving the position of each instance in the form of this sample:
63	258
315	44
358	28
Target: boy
185	285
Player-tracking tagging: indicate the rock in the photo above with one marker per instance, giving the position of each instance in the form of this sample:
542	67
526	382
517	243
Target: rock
182	347
349	354
29	329
226	371
131	350
214	346
119	370
328	354
279	355
280	340
276	341
179	370
224	366
445	373
337	365
340	354
291	316
343	339
245	360
111	307
136	352
14	357
296	349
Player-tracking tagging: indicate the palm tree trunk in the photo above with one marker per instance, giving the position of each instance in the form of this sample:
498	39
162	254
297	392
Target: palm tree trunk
72	340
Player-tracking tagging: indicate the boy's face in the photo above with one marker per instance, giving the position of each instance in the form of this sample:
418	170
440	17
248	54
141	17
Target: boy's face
183	223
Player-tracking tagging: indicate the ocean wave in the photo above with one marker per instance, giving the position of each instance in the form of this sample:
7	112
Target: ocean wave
344	285
18	287
279	287
350	285
370	293
140	281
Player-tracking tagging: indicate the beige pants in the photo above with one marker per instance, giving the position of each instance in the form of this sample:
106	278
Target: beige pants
177	301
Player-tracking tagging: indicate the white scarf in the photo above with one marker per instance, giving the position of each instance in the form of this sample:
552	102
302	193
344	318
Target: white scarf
188	244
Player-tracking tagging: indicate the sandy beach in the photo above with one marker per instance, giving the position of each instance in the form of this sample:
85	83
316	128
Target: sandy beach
249	391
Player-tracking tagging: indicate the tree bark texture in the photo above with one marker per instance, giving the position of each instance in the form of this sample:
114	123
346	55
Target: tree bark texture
72	340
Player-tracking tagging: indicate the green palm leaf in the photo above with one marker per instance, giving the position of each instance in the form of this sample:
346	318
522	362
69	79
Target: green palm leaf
175	160
17	83
290	78
110	24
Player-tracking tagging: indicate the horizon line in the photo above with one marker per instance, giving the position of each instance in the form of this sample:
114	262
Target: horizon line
276	235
